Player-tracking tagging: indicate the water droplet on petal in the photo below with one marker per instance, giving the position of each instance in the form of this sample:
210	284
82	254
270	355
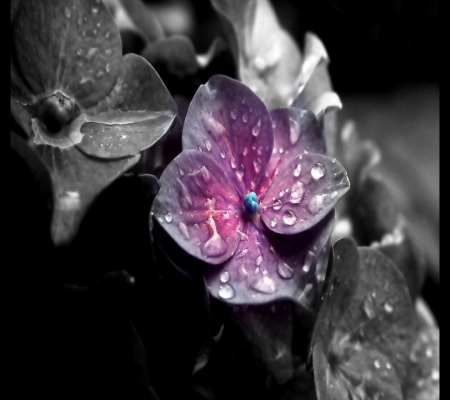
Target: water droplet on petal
233	162
333	160
369	307
79	52
240	171
284	270
95	10
259	64
435	375
222	154
280	150
388	308
377	364
281	194
67	12
184	230
259	260
226	292
256	129
344	181
215	246
234	113
297	192
316	203
388	365
274	222
224	277
168	217
297	170
245	151
107	68
289	218
208	145
309	259
333	195
318	171
244	118
257	164
265	285
277	205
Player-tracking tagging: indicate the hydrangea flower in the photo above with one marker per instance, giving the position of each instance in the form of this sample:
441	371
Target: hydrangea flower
250	194
87	111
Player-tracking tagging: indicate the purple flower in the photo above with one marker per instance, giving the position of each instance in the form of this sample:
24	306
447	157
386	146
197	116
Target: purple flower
251	194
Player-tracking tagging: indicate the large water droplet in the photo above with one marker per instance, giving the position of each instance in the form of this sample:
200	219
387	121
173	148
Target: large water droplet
297	170
208	145
184	230
284	270
274	222
257	165
256	129
297	192
67	12
226	292
318	171
244	118
168	217
277	205
316	203
234	113
224	277
369	306
309	259
265	285
289	218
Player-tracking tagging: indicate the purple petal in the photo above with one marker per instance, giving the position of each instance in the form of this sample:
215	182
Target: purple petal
267	266
295	131
66	45
198	207
303	193
227	120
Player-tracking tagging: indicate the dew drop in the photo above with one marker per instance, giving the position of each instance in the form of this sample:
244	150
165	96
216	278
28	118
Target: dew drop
435	375
257	164
429	352
277	205
281	150
333	160
333	195
297	170
284	270
377	364
388	365
294	131
226	292
256	129
309	259
184	230
215	246
233	163
95	10
79	52
289	218
168	217
281	194
208	145
107	68
234	113
240	171
259	260
318	171
222	154
245	151
316	203
388	308
244	118
160	220
259	64
265	285
297	192
224	277
260	150
369	307
274	222
67	12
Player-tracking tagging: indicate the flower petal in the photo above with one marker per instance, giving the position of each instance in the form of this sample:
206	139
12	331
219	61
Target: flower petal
70	46
198	207
295	131
266	266
303	193
268	58
227	120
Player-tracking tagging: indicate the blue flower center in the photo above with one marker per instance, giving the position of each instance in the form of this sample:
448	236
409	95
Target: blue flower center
250	203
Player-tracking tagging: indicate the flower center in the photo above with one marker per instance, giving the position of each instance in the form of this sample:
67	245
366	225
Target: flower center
250	203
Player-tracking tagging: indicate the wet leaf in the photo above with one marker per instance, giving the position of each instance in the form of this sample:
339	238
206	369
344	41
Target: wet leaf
81	45
363	348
